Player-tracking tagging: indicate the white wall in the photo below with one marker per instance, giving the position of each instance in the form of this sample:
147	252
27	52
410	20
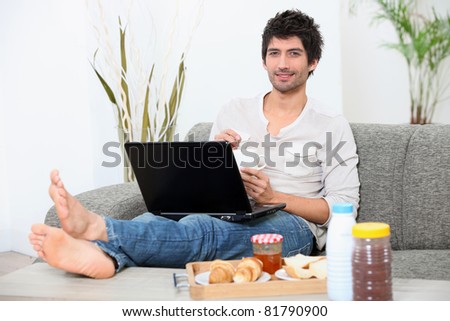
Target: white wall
375	79
5	221
44	110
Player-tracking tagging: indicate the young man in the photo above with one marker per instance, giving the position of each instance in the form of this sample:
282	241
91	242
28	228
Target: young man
310	158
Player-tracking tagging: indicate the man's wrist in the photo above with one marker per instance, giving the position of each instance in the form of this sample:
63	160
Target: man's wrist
280	198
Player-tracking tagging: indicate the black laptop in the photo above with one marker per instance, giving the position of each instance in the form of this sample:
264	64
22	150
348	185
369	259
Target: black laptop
181	178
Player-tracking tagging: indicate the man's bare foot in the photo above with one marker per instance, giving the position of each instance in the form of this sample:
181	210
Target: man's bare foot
75	219
64	252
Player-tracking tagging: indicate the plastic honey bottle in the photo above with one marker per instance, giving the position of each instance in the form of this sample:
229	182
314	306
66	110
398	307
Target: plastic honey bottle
372	258
339	251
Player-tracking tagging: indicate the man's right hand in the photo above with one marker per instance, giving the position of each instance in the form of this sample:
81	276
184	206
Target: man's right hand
230	136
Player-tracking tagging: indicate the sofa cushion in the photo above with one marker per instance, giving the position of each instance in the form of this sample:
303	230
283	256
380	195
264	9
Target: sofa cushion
421	264
426	190
382	151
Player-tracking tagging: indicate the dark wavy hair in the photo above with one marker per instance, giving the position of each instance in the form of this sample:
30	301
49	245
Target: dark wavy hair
294	23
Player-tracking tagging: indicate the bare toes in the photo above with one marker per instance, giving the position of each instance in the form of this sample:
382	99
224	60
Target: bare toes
34	241
40	229
42	255
62	192
54	176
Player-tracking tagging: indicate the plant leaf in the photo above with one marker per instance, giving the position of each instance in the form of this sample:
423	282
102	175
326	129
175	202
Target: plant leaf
145	120
123	62
175	98
105	85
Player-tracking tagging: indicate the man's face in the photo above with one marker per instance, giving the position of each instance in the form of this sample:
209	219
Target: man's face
287	64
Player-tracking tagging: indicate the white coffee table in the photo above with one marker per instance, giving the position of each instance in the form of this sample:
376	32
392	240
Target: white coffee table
42	282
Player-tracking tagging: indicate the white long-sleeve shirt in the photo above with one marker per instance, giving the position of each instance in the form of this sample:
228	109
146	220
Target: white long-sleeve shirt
313	157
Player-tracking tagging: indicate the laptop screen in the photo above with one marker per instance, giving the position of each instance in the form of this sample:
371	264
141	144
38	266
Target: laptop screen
188	177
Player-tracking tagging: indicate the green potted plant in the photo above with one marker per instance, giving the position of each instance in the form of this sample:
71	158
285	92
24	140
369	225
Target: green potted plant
424	42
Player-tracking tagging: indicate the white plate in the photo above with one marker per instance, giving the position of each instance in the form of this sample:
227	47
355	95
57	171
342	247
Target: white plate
281	274
203	278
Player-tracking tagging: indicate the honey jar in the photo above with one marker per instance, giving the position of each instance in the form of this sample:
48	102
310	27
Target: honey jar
371	262
268	248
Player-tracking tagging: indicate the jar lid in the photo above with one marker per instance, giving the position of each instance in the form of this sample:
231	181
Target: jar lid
342	208
371	230
266	238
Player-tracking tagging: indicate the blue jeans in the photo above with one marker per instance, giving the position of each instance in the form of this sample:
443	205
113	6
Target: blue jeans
150	240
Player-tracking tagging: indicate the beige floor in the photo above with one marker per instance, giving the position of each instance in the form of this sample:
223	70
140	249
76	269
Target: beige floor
11	261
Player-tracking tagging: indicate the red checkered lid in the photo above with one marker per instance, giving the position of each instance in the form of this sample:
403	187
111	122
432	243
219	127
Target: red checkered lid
266	238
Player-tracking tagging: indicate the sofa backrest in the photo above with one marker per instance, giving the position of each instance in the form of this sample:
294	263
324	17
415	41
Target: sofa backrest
404	172
381	150
426	191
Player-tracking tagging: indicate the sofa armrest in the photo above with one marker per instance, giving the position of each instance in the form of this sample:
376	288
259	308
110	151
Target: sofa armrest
122	201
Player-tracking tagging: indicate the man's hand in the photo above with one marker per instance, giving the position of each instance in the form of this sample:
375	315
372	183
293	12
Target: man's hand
257	185
230	136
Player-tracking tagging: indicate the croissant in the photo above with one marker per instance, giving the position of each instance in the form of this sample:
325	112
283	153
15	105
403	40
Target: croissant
248	270
221	272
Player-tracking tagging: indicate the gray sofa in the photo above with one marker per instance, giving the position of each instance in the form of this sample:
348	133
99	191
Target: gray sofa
405	177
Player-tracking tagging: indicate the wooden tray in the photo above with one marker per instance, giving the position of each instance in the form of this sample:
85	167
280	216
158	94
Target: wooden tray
234	290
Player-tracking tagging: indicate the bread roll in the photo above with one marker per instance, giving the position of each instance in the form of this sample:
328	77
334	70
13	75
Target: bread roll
248	270
221	272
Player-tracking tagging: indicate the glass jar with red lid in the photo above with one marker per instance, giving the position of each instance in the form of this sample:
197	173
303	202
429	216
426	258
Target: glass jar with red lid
268	248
